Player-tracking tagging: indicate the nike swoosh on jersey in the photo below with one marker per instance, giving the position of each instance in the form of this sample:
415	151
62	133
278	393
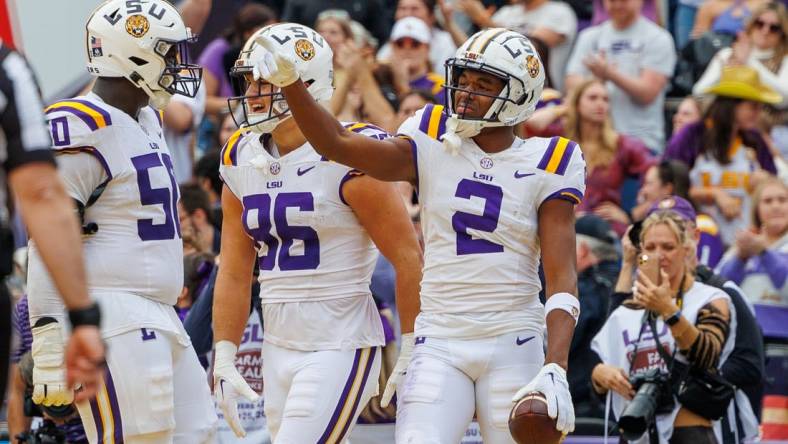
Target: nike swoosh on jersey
523	341
301	172
517	175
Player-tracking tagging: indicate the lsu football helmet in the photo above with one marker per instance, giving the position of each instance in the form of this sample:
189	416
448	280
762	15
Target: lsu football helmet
505	54
313	60
146	42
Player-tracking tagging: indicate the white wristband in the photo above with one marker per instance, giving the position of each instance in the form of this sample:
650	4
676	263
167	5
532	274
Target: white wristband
563	301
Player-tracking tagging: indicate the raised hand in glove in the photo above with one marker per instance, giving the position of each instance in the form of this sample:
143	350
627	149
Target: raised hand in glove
49	370
551	382
229	385
272	64
405	353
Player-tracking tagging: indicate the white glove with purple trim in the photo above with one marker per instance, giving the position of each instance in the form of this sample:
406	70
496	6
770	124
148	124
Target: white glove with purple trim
551	382
229	385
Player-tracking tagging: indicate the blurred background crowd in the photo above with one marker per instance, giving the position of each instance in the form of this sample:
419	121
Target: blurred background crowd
684	98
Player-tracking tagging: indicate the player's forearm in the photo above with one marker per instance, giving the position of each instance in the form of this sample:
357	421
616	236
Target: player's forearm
408	287
48	213
560	328
322	130
231	307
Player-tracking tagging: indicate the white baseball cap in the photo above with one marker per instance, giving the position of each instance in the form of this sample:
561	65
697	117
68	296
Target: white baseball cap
412	27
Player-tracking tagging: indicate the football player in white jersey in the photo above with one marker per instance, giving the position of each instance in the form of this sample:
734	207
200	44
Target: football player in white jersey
312	225
117	168
492	205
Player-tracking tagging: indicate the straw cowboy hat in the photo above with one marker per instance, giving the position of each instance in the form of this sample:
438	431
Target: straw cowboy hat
742	82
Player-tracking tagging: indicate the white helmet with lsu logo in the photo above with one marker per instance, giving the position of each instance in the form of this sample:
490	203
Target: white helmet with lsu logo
145	42
313	60
507	55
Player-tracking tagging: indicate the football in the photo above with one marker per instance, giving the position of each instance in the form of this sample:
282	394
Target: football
529	423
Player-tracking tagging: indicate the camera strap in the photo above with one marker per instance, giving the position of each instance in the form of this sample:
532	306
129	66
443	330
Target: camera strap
651	319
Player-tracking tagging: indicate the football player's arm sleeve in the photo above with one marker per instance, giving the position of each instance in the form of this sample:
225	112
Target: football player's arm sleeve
390	159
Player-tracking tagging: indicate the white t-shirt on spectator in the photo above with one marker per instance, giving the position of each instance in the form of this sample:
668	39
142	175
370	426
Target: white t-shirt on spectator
642	45
442	47
555	16
181	143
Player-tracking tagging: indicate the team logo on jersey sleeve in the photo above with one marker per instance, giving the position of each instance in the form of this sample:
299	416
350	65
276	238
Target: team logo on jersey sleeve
486	163
304	49
275	168
137	25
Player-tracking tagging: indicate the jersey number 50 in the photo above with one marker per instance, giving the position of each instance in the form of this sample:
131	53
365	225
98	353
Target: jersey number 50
261	205
167	197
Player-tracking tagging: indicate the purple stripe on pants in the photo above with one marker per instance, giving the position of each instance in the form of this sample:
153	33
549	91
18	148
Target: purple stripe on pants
113	404
338	410
370	361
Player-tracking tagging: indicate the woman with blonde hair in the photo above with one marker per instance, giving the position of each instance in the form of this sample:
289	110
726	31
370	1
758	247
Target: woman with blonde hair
758	260
610	157
672	311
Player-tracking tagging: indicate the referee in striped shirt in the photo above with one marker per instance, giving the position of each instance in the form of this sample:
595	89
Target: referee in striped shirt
28	168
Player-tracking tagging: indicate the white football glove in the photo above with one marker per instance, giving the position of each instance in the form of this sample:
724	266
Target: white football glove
405	353
272	65
229	385
49	370
551	382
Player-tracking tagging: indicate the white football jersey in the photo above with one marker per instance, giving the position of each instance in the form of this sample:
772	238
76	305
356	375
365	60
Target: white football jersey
137	248
315	258
479	216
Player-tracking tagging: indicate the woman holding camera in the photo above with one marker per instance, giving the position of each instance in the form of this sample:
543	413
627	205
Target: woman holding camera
691	322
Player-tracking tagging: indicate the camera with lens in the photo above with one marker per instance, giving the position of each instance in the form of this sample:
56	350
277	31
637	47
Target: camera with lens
47	433
653	396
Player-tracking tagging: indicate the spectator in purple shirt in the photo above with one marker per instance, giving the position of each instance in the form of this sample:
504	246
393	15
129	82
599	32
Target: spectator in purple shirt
215	57
725	151
758	261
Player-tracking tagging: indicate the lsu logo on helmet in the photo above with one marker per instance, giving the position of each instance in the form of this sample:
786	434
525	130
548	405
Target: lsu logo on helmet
137	25
532	66
304	49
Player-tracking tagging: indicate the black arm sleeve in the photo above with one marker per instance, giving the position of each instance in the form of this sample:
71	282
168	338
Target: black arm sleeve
21	113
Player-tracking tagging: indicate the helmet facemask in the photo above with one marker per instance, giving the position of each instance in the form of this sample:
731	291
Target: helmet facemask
179	76
257	120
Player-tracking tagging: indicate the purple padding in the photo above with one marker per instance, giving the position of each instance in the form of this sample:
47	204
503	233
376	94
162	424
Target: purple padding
773	320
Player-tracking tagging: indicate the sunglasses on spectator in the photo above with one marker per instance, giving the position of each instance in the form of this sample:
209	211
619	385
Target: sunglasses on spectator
408	43
773	28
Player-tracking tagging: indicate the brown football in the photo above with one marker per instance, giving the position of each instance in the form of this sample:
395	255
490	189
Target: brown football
529	423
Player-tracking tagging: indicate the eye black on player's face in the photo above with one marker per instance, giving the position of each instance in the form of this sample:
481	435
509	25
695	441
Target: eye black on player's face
476	93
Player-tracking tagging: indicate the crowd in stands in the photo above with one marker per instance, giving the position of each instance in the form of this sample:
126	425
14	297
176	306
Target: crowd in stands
672	102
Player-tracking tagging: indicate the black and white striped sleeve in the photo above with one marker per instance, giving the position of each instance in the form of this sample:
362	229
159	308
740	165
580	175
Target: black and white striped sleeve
23	132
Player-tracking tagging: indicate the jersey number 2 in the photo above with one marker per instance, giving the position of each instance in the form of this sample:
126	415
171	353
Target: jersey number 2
261	204
167	197
487	221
